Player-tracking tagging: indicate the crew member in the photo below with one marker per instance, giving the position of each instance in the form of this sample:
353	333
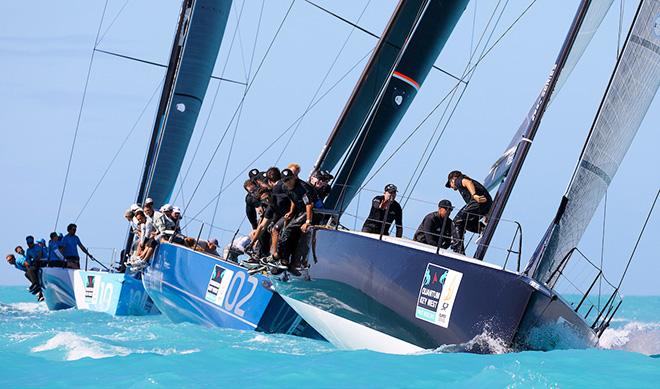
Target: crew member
19	262
477	204
435	228
70	243
299	217
55	256
320	181
35	254
251	202
386	209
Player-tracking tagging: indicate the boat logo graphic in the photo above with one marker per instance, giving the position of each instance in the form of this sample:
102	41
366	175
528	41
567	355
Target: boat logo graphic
437	294
89	287
218	285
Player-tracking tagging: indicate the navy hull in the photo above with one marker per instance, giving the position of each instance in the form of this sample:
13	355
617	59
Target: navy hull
402	291
189	286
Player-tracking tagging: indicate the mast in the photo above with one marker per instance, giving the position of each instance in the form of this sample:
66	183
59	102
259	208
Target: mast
403	58
525	141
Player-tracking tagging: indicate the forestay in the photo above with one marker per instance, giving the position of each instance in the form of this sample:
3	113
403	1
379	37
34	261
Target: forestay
631	90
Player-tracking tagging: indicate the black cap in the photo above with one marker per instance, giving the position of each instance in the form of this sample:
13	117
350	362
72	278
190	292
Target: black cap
253	173
453	173
29	239
390	188
445	204
287	174
323	175
262	177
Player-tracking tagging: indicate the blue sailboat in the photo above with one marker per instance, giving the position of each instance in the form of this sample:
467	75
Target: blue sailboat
184	284
389	294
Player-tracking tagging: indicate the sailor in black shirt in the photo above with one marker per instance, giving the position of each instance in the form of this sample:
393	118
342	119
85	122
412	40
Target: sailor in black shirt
320	181
477	204
251	202
435	229
299	217
386	209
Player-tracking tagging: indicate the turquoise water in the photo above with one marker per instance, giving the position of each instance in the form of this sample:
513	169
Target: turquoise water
39	348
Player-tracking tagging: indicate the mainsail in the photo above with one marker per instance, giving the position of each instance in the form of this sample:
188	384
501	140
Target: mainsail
631	90
403	58
194	52
588	17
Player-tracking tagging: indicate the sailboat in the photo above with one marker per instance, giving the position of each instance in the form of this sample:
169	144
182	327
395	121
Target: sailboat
187	285
196	44
393	295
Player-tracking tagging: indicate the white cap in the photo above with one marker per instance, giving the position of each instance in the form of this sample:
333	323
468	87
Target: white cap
138	210
134	207
149	200
176	210
166	208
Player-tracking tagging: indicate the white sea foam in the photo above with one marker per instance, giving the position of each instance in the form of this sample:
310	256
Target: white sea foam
485	342
24	307
77	347
634	336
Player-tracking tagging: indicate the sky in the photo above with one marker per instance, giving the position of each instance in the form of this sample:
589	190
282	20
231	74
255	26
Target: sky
46	48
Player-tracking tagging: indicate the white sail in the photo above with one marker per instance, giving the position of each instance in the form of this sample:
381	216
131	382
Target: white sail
631	90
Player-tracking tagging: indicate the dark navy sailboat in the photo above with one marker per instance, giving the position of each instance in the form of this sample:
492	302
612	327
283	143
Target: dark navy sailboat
389	294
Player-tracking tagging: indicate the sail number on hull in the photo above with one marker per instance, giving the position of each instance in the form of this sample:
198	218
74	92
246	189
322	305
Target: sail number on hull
226	286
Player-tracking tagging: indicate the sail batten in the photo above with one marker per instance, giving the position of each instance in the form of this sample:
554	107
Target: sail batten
632	88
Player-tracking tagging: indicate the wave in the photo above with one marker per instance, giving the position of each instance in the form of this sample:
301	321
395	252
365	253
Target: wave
634	336
23	308
78	347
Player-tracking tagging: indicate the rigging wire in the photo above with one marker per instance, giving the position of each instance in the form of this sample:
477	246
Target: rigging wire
639	237
410	185
270	46
325	78
208	116
82	103
471	72
618	36
416	129
112	22
238	121
283	133
119	150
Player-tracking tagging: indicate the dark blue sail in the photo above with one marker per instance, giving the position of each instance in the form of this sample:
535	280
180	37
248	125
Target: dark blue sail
403	58
194	52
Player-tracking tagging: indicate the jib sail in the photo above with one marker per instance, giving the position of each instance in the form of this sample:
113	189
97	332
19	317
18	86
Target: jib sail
631	90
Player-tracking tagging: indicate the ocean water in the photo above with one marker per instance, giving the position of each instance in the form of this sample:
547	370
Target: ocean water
73	348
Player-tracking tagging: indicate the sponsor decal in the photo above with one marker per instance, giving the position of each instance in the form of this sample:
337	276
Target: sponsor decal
437	294
89	288
218	285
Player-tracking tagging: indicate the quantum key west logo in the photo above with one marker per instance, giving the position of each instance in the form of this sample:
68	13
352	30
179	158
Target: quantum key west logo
437	294
89	288
218	284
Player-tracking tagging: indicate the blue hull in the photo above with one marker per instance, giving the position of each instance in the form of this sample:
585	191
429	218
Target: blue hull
117	294
189	286
404	291
57	286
